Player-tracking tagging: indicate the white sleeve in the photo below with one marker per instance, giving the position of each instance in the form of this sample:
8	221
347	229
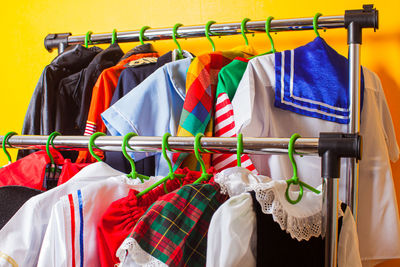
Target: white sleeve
348	249
251	101
54	247
371	79
231	235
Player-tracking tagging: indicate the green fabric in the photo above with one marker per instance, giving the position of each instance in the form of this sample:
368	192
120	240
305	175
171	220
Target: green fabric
229	78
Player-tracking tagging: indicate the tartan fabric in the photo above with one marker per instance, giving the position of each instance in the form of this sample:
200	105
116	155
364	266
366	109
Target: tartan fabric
174	229
201	83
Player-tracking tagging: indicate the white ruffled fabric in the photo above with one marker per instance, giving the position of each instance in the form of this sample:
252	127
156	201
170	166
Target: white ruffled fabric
131	254
232	236
302	220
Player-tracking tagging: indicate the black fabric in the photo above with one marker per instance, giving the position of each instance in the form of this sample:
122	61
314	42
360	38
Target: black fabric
12	198
129	79
275	247
40	116
75	92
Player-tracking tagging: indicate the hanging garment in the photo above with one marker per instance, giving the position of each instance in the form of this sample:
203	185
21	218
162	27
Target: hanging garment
102	94
152	108
70	238
39	118
261	228
130	78
21	238
378	219
104	89
198	109
12	197
33	171
228	81
75	92
174	229
122	215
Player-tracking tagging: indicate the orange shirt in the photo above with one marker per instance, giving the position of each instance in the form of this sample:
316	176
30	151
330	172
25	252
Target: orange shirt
101	98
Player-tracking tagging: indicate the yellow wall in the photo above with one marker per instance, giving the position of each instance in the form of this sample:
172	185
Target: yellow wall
24	24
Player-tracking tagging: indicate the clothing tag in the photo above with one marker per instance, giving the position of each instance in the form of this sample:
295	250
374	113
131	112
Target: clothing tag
141	61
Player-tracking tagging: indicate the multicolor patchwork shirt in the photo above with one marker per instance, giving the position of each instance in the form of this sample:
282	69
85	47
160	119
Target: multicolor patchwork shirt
198	108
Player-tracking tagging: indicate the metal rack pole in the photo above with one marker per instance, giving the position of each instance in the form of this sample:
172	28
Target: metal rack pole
62	40
305	146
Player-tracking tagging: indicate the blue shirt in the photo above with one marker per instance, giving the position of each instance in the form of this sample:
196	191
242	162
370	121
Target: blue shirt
152	108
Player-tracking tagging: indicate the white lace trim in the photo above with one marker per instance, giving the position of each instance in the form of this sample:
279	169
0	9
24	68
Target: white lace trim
138	255
236	180
303	220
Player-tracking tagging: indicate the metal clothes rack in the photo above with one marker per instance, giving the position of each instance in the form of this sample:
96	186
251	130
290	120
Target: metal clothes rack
353	20
331	147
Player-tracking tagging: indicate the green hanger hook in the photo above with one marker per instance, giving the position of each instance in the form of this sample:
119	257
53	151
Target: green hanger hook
243	30
295	179
174	36
268	31
197	149
207	33
239	149
171	175
141	34
5	142
315	23
87	39
133	174
114	36
92	144
50	141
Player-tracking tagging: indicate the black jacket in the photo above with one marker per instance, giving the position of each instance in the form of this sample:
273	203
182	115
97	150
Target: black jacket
64	91
75	92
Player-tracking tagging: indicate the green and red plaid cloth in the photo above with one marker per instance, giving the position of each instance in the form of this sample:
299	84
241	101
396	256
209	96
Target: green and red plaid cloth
174	229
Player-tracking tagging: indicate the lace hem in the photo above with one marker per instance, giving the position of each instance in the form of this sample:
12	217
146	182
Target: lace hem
138	255
301	227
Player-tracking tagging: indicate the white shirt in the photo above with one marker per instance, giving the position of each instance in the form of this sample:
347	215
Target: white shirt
232	235
256	116
70	238
21	238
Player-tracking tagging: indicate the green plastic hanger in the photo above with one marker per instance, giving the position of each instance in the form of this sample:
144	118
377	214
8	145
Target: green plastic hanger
91	145
171	175
174	36
315	23
268	31
295	179
141	34
207	33
87	39
5	142
50	141
197	149
133	174
239	149
114	36
243	30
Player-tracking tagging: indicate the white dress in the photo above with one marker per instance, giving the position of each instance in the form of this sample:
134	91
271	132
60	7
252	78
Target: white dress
70	238
22	236
232	238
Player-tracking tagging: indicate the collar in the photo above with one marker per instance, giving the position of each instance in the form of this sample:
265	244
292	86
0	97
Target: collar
177	74
313	80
